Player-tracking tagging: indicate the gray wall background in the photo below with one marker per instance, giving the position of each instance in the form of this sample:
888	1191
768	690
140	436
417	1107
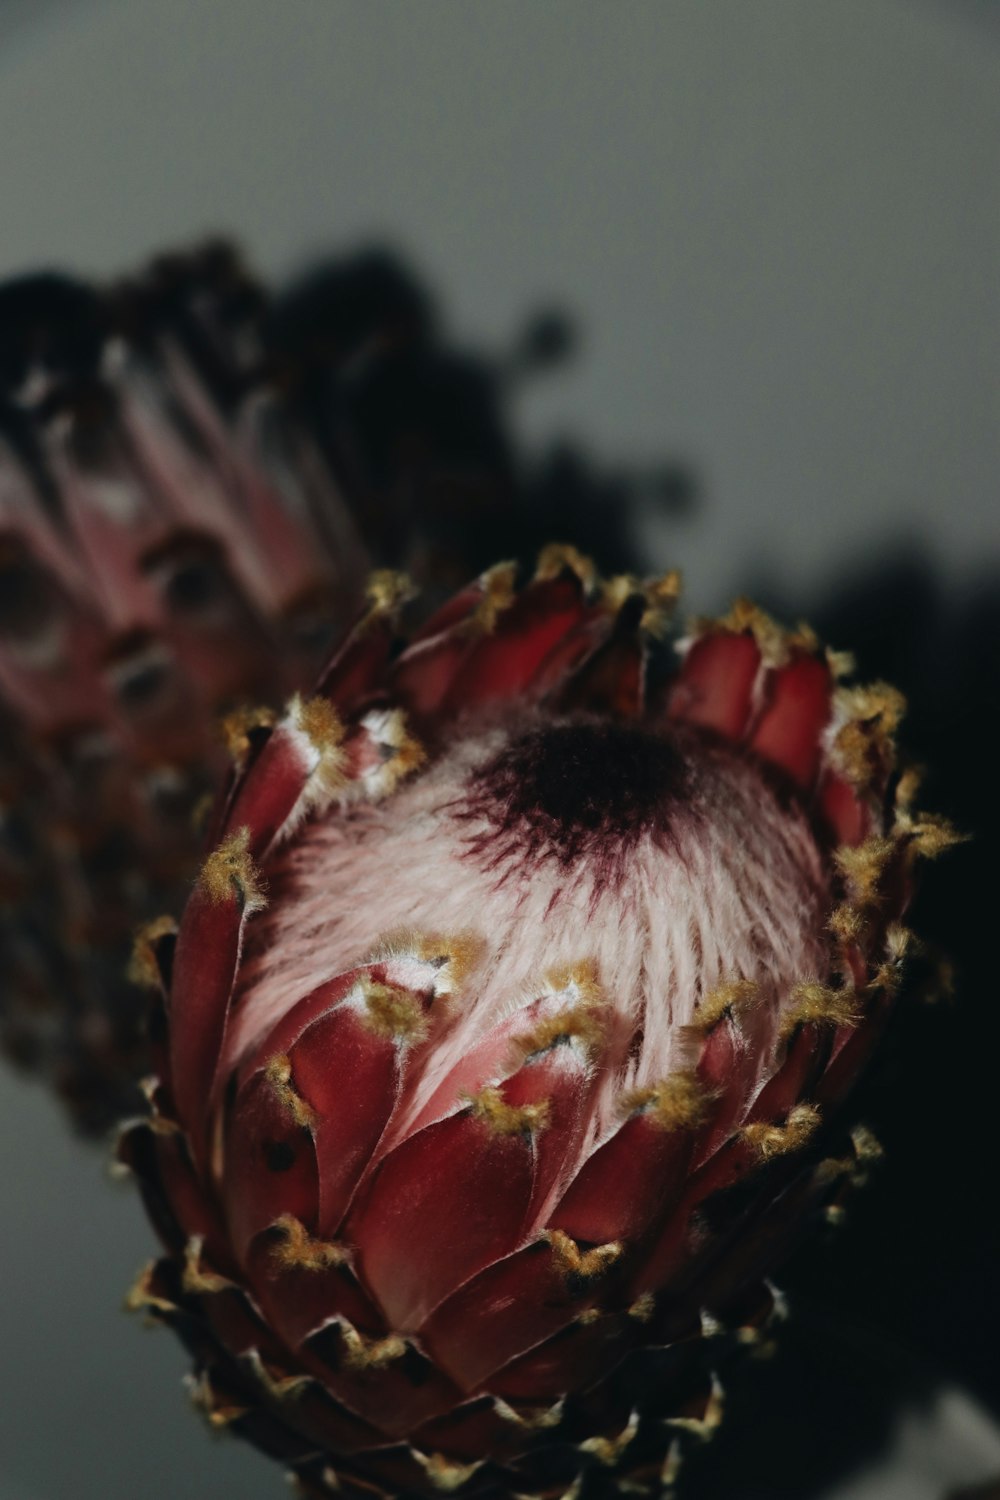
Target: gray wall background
779	223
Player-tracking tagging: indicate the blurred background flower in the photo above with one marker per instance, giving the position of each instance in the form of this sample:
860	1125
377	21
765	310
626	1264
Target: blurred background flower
777	226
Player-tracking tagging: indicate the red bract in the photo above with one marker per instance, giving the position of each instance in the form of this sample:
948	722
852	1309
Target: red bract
507	1032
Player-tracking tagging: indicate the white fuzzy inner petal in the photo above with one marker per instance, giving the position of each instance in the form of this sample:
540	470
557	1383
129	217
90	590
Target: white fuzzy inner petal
735	888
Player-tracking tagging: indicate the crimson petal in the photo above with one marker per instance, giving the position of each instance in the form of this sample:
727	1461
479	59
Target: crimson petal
714	688
796	710
456	1195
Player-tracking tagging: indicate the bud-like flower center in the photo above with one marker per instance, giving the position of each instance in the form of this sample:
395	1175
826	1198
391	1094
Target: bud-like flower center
660	859
577	791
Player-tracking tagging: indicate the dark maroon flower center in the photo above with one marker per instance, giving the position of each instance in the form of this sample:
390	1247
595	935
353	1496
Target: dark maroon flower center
577	790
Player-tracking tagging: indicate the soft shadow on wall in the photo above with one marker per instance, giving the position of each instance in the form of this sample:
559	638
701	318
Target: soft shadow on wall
421	433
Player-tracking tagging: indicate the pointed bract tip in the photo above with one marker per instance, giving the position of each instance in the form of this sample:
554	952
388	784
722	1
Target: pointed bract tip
661	596
502	1118
579	981
868	717
582	1265
400	751
616	591
607	1450
705	1426
872	703
238	728
929	835
726	999
143	967
394	1012
775	643
279	1386
581	1024
770	1139
681	1102
450	958
848	923
318	722
841	663
560	557
295	1249
387	591
142	1295
229	873
198	1278
537	1419
908	787
318	719
445	1474
863	866
867	1147
361	1353
278	1073
456	957
499	587
819	1005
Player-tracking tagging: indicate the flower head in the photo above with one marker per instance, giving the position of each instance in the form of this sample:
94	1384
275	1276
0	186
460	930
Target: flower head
507	1032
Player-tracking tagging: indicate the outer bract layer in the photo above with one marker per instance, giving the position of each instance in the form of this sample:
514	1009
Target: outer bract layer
508	1029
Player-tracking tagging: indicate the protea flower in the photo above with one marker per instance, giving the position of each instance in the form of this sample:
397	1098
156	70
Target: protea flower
171	546
508	1030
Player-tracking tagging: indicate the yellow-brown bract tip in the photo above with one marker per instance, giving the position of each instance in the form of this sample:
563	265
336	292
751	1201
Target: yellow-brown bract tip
143	968
770	1140
394	1012
387	590
558	557
733	996
582	1265
238	727
501	1118
296	1249
818	1004
499	586
774	641
681	1102
229	872
279	1075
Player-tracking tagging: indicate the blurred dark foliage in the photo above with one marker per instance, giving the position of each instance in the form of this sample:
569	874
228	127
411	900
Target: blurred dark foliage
421	433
